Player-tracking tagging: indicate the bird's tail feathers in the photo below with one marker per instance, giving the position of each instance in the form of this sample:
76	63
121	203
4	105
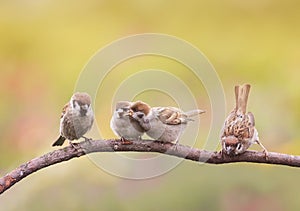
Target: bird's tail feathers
195	112
59	141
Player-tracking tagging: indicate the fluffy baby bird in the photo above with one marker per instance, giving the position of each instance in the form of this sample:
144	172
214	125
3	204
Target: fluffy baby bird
164	124
76	119
123	125
239	131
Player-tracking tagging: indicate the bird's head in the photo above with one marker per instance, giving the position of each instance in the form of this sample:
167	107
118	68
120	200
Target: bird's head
231	145
81	102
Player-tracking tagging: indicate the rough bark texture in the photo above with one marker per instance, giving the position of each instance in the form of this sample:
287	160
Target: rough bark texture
115	145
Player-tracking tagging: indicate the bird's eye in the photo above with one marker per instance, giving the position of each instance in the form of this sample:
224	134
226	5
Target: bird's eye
140	115
239	146
74	104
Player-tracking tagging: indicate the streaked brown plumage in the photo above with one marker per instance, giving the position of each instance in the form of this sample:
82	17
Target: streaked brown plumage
76	119
239	131
162	123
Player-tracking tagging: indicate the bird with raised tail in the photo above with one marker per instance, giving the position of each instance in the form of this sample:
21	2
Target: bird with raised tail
76	119
239	131
164	124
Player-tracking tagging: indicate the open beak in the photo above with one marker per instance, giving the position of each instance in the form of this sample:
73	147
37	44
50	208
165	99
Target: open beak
129	113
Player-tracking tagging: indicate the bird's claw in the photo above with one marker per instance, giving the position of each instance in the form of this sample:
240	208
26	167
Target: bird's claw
87	139
221	153
266	154
124	141
176	145
75	145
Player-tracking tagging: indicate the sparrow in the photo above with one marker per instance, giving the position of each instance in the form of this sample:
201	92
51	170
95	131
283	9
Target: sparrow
239	132
164	124
76	119
123	125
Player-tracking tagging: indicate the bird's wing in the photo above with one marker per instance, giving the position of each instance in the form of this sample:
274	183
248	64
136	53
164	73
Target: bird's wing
64	110
169	115
251	119
228	127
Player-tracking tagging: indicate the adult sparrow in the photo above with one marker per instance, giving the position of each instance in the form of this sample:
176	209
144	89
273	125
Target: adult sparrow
164	124
76	119
239	131
123	125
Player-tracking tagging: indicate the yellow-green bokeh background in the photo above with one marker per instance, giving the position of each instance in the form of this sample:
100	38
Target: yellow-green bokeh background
45	44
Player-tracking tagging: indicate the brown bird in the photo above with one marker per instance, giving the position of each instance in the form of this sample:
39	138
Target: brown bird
162	123
239	131
76	119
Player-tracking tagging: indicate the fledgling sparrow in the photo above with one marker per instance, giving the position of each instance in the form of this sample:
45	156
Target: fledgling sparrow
123	125
239	131
164	124
76	119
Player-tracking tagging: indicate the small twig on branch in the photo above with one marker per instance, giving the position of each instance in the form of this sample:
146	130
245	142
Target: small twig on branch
115	145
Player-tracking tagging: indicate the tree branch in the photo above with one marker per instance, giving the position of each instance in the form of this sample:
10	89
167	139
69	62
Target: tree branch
115	145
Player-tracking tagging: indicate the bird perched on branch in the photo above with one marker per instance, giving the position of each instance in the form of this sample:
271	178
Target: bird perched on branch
76	119
162	123
123	125
239	131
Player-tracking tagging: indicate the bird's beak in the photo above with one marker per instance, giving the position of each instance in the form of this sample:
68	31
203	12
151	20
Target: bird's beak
128	113
83	110
228	149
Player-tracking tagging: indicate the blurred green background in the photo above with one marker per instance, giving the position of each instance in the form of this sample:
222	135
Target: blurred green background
44	46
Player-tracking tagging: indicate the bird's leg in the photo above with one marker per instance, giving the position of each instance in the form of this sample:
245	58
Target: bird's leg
74	145
87	139
264	149
124	141
176	144
223	154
